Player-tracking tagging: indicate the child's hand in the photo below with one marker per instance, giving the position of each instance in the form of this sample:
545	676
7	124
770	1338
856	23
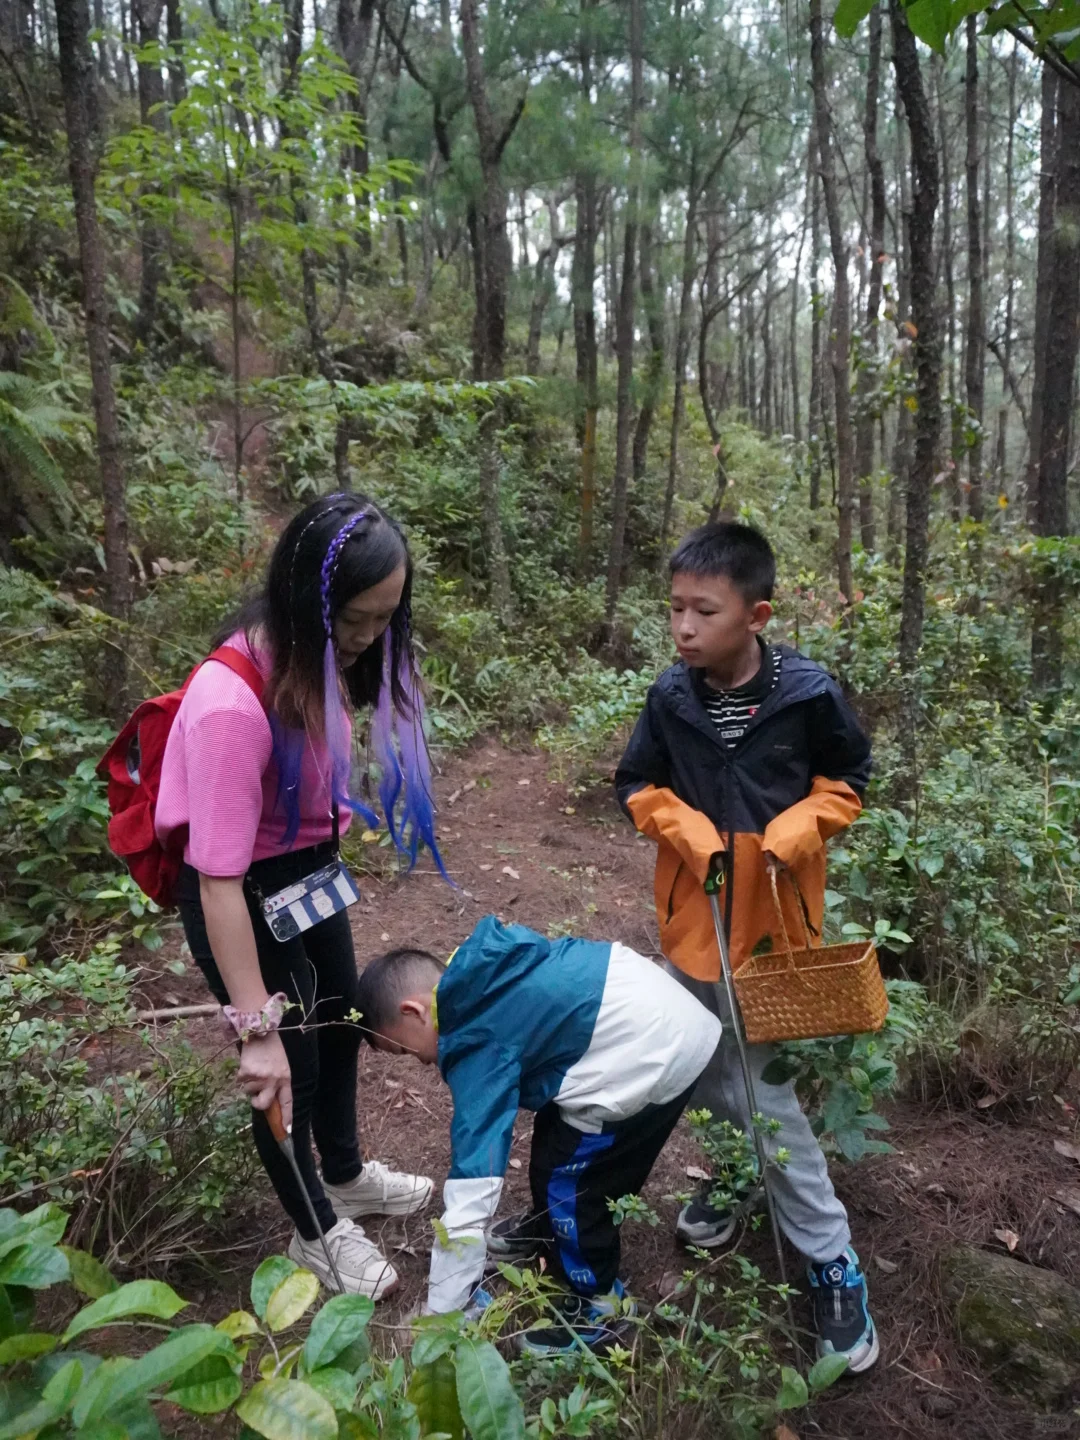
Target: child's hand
773	863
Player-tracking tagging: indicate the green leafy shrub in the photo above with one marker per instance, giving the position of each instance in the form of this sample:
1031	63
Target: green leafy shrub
147	1156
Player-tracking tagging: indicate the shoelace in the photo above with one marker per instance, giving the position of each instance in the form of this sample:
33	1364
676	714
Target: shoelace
356	1245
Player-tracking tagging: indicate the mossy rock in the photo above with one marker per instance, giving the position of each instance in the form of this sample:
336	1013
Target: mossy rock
1023	1323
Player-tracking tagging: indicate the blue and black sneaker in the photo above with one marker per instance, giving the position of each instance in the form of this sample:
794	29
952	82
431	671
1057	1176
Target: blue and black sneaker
841	1317
593	1321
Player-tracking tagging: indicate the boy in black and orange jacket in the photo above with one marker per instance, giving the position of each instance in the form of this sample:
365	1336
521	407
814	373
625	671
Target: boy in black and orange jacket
750	750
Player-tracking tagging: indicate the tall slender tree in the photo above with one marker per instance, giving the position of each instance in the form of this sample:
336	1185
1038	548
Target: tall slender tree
78	80
927	345
974	359
841	310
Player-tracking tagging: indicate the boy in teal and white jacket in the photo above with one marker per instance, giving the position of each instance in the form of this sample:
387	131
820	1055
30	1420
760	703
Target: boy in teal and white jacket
601	1043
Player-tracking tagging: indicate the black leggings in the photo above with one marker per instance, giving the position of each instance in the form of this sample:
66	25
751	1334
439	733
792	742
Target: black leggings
318	970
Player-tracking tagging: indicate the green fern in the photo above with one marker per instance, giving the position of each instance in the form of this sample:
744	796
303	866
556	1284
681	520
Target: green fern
30	419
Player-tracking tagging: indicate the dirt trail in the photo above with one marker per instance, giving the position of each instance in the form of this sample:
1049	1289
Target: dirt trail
521	844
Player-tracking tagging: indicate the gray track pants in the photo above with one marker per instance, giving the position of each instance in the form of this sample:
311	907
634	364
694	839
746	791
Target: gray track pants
807	1207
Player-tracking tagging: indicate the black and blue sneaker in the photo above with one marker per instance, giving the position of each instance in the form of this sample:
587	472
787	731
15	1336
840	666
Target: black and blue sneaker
841	1317
702	1225
517	1238
594	1321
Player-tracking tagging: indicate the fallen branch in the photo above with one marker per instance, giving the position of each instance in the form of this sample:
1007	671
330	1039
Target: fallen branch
177	1012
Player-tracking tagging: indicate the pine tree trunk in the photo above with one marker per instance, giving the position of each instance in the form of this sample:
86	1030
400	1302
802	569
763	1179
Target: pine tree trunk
491	278
948	262
688	270
653	302
841	338
174	34
1062	346
815	417
583	298
1001	456
624	325
927	345
864	434
901	456
77	78
1048	140
147	15
974	378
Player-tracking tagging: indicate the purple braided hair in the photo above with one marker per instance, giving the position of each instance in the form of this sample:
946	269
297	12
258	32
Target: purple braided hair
397	734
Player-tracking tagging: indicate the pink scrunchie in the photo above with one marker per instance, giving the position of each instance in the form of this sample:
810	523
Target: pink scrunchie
257	1022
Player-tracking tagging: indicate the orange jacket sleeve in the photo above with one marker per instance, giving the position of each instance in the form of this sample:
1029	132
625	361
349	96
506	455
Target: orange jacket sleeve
661	815
801	831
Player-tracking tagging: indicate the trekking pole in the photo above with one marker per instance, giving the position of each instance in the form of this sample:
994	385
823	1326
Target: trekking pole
712	888
283	1136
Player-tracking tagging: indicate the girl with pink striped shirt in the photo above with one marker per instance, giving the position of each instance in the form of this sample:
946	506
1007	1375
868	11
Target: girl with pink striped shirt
261	784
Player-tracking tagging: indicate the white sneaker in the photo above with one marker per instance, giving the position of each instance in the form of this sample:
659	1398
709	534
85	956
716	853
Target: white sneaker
363	1268
379	1191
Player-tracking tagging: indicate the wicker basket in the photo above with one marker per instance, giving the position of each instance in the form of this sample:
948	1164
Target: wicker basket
806	994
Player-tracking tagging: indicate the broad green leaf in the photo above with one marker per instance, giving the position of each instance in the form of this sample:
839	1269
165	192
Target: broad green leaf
337	1386
288	1410
207	1388
160	1367
88	1403
826	1372
340	1321
929	21
55	1400
35	1266
430	1344
793	1390
850	14
238	1323
267	1278
88	1275
433	1390
26	1347
296	1293
7	1315
140	1297
489	1404
21	1300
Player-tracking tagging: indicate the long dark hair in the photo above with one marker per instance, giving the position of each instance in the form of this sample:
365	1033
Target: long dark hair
287	615
333	550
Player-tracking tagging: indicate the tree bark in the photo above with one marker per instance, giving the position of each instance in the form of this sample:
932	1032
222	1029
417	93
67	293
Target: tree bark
491	278
147	16
816	417
77	78
355	22
653	302
927	345
864	434
624	325
948	264
1062	346
688	270
841	337
1048	140
583	292
974	377
174	33
1001	456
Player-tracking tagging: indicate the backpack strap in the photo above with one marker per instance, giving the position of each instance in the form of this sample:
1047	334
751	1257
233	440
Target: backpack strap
240	665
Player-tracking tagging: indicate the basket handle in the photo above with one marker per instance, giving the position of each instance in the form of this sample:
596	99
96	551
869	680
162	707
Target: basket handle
780	913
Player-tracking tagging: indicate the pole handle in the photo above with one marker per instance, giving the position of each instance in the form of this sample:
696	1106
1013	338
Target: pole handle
276	1121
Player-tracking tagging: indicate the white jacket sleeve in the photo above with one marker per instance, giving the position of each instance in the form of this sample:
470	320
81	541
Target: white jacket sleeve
458	1266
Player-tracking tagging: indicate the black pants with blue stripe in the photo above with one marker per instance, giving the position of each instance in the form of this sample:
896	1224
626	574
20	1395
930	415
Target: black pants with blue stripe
573	1176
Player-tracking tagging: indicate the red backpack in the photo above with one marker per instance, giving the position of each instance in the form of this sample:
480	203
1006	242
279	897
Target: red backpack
132	768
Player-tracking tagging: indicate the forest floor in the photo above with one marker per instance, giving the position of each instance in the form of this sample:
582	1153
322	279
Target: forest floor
523	843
